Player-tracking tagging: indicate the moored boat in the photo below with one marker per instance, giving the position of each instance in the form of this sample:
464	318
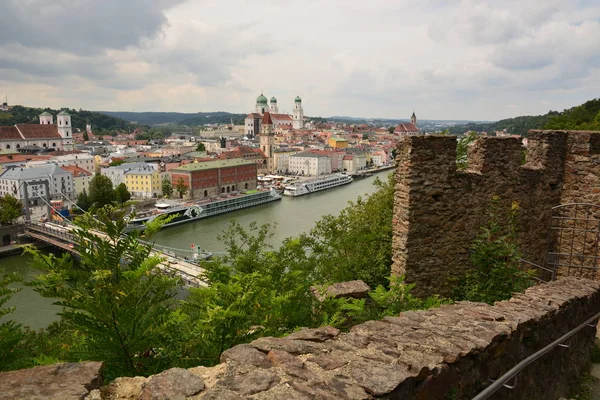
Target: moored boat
315	185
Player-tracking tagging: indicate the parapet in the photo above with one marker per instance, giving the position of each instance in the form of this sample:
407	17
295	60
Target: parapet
450	352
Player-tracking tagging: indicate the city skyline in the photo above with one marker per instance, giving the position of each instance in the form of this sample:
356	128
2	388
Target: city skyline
460	60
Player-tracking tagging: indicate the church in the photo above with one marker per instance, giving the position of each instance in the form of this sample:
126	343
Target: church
407	129
45	135
253	121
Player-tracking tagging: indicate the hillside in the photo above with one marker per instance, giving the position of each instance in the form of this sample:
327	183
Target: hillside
158	118
30	115
585	116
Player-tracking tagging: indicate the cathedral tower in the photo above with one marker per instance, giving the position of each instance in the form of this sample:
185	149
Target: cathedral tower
63	122
298	116
413	119
46	118
273	109
261	104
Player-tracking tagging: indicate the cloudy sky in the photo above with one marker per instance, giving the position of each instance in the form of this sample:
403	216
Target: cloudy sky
444	59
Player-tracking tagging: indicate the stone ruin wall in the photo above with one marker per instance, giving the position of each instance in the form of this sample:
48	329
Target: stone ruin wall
451	352
438	210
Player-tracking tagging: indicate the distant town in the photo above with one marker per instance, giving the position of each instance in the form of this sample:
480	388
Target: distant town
218	159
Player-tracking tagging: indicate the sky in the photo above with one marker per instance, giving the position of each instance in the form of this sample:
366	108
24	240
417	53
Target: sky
443	59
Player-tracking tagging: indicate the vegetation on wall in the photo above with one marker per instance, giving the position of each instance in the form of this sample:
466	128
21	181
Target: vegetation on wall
10	209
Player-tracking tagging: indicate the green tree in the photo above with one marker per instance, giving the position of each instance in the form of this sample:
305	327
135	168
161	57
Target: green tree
357	243
181	187
167	187
495	257
115	294
86	137
83	201
121	193
201	147
10	209
462	147
115	163
101	191
391	129
11	333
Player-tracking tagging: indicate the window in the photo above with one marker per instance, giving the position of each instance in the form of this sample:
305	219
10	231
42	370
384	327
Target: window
54	144
18	146
8	146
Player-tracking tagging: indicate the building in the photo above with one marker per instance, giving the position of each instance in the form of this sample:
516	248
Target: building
253	121
298	116
116	174
13	181
45	135
81	179
408	129
338	143
210	179
267	140
250	154
281	159
143	182
310	163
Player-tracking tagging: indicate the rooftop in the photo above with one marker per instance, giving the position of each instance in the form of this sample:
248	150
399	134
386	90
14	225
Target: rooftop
205	165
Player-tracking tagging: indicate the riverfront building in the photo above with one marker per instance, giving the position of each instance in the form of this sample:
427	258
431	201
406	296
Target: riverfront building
15	181
253	121
143	182
210	179
310	163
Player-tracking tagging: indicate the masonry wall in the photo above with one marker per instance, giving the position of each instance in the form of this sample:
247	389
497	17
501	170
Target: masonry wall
447	353
438	210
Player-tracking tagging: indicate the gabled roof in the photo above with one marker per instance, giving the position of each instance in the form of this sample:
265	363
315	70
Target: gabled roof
76	171
281	117
42	131
267	119
253	115
9	133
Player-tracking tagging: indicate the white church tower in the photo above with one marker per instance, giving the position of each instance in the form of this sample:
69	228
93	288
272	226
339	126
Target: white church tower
46	118
298	116
63	123
261	104
273	109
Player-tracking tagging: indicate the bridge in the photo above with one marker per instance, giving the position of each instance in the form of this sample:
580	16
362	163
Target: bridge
172	262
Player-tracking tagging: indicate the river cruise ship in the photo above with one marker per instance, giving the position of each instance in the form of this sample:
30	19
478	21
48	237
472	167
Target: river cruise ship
326	182
193	211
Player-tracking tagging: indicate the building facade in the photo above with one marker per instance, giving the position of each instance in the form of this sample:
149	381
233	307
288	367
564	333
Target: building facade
15	181
81	179
309	163
211	179
46	134
143	182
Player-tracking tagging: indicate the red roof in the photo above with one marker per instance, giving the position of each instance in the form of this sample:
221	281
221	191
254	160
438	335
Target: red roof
42	131
281	117
9	133
402	128
76	171
23	157
253	115
267	119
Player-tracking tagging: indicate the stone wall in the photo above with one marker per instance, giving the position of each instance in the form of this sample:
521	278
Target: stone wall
447	353
10	233
438	210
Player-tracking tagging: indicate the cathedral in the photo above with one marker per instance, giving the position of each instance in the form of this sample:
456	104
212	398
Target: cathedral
254	120
46	134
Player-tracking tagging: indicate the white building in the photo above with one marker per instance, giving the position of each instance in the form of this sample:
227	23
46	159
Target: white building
310	163
116	174
15	181
253	121
47	134
81	178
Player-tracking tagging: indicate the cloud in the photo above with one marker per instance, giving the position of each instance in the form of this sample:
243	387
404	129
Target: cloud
442	58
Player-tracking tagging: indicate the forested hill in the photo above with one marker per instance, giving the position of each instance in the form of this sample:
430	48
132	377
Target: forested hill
585	116
30	115
157	118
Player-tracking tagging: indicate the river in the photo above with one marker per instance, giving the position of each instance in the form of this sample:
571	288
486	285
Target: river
292	216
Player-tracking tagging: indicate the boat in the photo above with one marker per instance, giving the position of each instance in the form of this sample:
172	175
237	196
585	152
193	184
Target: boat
315	185
193	211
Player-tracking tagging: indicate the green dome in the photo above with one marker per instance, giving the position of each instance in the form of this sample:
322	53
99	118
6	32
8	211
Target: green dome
45	114
298	99
63	113
273	99
261	99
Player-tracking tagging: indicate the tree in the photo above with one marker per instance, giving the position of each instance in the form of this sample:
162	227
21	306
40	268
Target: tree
181	187
201	147
391	130
121	193
116	162
86	137
357	243
167	187
462	147
10	209
114	294
495	257
11	333
101	191
83	201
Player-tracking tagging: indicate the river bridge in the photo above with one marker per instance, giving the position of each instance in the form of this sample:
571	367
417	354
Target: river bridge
174	261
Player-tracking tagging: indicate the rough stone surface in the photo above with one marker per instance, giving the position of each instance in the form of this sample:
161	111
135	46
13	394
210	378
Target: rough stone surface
59	381
174	383
448	352
351	289
315	335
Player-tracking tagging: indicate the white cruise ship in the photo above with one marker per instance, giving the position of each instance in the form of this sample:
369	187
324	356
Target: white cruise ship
315	185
